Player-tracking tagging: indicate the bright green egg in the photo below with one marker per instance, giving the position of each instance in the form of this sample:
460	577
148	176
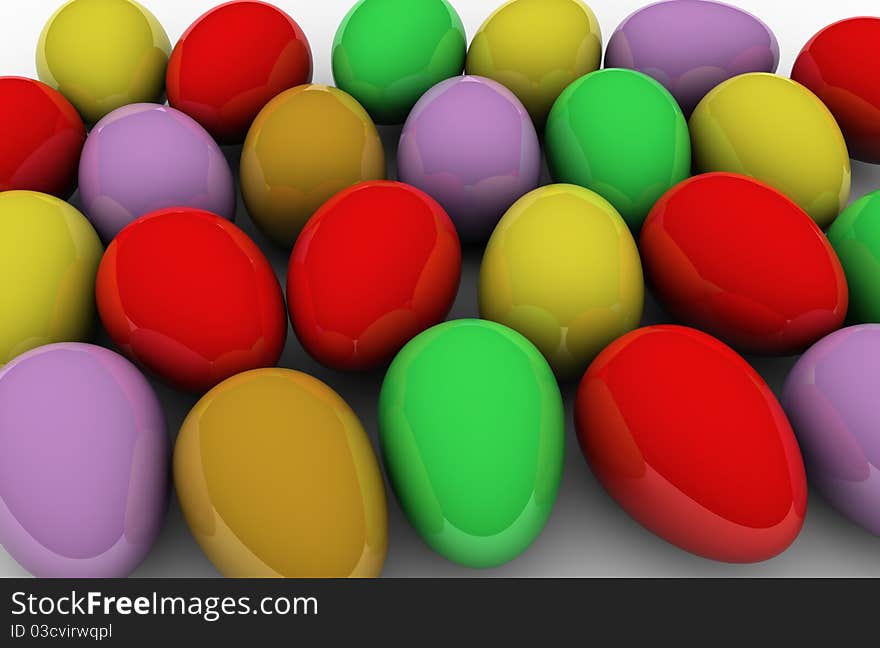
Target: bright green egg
472	431
855	236
621	134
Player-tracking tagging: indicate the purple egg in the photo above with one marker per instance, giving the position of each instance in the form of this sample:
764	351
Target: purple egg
690	46
831	400
471	145
84	462
145	157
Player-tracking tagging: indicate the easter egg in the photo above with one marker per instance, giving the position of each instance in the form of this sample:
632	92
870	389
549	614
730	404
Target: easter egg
729	255
190	297
621	134
471	145
306	145
103	54
376	265
41	137
562	268
146	157
756	125
537	48
387	53
690	46
831	400
84	467
841	64
277	478
855	236
691	442
473	433
232	61
49	255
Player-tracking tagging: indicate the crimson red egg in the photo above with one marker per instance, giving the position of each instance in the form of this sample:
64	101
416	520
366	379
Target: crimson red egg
41	138
734	257
375	266
186	294
692	443
841	65
232	61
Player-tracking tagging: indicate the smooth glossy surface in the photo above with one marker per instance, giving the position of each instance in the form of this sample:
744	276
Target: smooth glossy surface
103	54
562	268
777	131
737	259
376	265
232	61
690	46
471	145
145	157
537	48
84	467
41	137
277	478
387	53
472	431
621	134
691	442
855	236
306	145
189	296
841	64
831	399
49	255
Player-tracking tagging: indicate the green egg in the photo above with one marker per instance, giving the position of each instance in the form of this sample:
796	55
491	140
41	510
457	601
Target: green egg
855	236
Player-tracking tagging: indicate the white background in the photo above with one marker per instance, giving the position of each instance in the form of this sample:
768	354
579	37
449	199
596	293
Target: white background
587	535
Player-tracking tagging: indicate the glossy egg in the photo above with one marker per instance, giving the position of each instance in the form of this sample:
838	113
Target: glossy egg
855	236
49	255
621	134
690	46
831	400
189	296
84	467
387	53
562	268
737	259
104	54
41	138
841	64
537	48
376	265
471	145
232	61
306	145
146	157
692	443
473	433
277	478
757	125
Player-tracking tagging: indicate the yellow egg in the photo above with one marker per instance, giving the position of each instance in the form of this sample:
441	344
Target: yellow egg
103	54
562	268
777	131
277	478
537	48
49	256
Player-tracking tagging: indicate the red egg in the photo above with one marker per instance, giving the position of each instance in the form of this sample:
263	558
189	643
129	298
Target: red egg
376	265
189	296
691	442
737	259
41	138
841	65
232	61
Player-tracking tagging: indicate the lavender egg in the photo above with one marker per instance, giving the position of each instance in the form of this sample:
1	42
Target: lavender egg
831	400
84	464
691	46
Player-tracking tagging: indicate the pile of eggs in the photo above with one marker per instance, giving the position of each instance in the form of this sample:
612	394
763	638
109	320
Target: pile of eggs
685	163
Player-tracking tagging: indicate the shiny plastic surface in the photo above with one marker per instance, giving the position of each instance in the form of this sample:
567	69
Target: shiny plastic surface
855	236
